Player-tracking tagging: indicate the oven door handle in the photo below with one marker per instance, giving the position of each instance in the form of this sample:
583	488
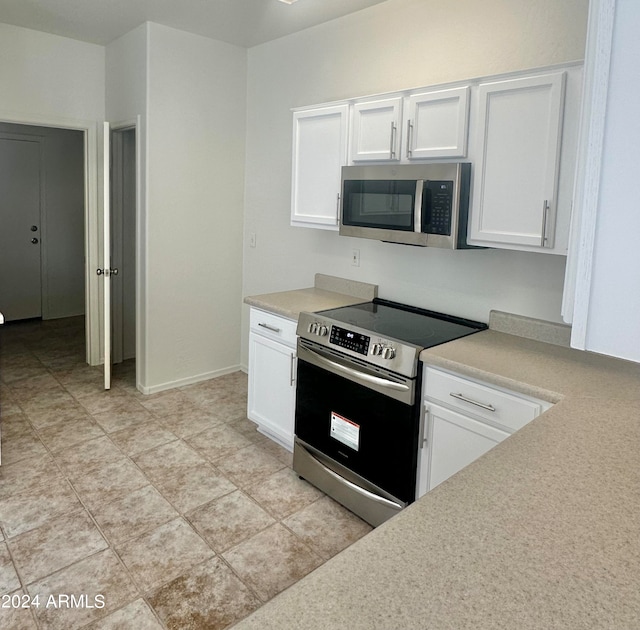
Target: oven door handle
383	382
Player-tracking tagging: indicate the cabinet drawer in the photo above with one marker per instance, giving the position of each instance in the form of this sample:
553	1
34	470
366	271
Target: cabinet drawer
509	410
273	326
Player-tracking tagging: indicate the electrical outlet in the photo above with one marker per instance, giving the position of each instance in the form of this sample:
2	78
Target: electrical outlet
355	257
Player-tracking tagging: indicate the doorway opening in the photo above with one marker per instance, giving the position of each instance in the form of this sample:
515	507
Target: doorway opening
89	234
123	250
42	212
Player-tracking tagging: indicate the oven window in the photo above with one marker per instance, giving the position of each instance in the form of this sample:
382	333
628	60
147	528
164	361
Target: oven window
385	204
371	434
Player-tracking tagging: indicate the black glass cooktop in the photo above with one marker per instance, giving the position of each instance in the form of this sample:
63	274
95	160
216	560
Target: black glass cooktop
410	324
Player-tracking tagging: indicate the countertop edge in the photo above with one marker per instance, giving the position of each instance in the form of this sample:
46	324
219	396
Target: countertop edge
290	304
491	378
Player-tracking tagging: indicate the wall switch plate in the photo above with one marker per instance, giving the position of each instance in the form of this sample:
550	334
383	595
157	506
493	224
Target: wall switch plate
252	239
355	257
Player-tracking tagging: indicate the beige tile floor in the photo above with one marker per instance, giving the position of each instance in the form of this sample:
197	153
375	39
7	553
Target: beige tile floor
119	510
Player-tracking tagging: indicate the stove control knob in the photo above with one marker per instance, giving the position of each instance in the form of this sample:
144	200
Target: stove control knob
323	331
376	349
388	353
312	328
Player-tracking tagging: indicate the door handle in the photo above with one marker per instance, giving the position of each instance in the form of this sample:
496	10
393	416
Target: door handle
462	397
545	212
409	138
392	140
337	367
269	327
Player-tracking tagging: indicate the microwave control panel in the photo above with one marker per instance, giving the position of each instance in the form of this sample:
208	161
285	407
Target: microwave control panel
436	207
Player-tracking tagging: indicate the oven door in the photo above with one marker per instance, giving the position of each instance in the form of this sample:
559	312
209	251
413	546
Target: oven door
353	440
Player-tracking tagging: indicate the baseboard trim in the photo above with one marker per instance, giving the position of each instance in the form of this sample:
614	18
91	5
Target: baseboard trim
154	389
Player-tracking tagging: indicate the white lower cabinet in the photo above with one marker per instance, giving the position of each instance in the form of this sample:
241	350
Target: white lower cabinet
463	419
456	440
272	375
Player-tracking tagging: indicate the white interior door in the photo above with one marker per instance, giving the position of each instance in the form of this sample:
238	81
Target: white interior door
20	266
105	271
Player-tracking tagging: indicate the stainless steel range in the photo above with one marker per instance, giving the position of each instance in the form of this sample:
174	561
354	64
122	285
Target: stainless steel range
358	401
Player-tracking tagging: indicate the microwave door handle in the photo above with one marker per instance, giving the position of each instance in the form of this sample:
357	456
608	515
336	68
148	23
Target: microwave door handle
417	212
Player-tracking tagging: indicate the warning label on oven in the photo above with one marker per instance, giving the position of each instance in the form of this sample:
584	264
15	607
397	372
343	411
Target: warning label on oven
345	431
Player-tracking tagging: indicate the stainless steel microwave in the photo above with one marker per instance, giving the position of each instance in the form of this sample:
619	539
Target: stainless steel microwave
413	204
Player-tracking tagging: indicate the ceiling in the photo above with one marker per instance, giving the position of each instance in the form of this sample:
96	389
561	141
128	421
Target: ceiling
241	22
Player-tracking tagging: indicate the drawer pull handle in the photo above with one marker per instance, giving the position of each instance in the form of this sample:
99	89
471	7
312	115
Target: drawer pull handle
473	402
269	327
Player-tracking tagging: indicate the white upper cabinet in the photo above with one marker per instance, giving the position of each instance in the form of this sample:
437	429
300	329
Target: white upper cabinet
375	130
426	125
319	153
518	137
518	131
436	124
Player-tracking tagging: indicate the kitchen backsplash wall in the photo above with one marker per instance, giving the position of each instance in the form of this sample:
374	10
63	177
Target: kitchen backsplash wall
395	45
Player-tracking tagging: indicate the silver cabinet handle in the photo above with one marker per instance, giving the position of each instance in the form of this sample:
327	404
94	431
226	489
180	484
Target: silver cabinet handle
269	327
473	402
409	137
392	148
545	212
292	370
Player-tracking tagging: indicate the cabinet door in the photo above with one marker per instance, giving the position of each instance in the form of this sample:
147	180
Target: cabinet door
375	130
453	442
319	153
518	144
271	396
437	124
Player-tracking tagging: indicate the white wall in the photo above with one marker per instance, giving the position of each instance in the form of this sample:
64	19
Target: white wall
395	45
195	175
190	94
613	321
50	77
